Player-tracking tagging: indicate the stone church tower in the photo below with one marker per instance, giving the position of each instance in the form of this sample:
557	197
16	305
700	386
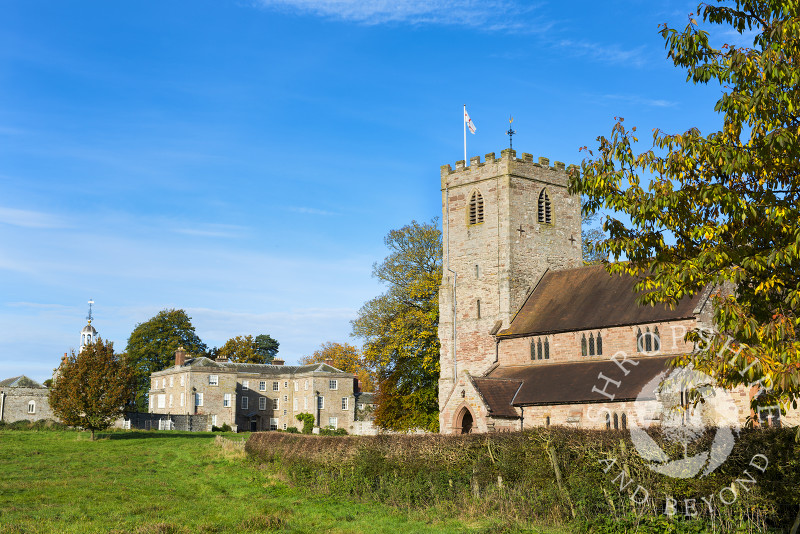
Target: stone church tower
505	222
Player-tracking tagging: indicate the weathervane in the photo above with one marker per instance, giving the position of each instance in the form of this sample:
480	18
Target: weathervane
510	132
89	317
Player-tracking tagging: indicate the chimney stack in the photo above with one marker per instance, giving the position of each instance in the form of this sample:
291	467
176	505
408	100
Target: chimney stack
180	357
328	361
277	361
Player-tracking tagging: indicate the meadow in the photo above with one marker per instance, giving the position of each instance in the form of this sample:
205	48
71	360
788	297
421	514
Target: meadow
173	482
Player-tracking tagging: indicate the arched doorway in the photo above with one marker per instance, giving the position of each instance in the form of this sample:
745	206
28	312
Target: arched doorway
465	421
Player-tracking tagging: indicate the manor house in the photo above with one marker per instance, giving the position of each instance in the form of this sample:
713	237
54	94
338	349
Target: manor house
530	336
255	397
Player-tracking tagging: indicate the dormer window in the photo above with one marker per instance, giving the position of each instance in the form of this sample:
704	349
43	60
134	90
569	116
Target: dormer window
476	208
545	210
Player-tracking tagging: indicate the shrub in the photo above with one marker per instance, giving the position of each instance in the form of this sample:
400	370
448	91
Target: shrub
292	430
308	422
332	431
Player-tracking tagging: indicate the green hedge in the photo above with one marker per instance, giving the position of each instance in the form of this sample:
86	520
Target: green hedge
512	475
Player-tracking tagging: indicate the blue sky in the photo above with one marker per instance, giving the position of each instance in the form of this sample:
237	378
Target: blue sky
243	160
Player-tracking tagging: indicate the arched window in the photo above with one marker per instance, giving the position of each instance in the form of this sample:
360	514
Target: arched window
591	345
476	208
639	340
539	349
648	340
32	407
583	345
608	420
547	421
616	421
533	350
656	340
624	421
545	211
478	305
546	349
599	345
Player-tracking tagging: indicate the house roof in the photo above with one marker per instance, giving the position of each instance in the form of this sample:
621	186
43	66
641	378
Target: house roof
589	297
579	382
260	368
20	381
498	394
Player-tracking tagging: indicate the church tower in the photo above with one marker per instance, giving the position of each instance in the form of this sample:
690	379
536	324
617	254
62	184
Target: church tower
88	333
505	222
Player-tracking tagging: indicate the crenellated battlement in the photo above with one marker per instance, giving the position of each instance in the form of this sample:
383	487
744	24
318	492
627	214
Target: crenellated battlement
508	159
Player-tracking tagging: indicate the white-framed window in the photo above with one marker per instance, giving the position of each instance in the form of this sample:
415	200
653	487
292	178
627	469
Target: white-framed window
262	385
321	402
32	407
198	399
213	380
183	380
305	386
333	384
345	403
276	386
273	423
226	400
285	384
296	386
245	385
262	403
274	404
333	422
245	402
286	398
162	400
214	420
170	400
170	382
295	404
183	399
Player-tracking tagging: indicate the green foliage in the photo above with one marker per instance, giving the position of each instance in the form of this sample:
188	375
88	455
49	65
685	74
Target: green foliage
308	422
345	357
292	430
266	347
92	387
48	383
328	431
400	329
721	209
224	428
590	237
510	475
152	346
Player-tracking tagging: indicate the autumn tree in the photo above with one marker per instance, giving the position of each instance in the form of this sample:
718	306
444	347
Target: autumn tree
345	357
152	345
399	329
92	387
245	349
721	209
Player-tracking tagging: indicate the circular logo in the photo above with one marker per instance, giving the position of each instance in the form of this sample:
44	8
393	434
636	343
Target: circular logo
686	404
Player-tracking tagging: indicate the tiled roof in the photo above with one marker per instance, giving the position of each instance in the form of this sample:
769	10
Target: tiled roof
498	394
20	381
261	368
588	297
573	382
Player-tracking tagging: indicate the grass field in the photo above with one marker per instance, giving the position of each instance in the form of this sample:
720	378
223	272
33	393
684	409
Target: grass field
172	482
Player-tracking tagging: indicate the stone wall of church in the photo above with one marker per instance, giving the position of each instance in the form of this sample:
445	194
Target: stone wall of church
590	416
567	346
497	261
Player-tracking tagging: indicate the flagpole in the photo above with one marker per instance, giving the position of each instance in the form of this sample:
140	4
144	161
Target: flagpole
464	118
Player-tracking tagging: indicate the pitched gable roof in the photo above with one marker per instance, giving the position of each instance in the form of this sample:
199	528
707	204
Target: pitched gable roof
498	394
260	368
20	381
589	297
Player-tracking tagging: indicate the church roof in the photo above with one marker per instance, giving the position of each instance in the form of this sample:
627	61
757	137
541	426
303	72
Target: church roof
21	381
498	394
573	382
589	297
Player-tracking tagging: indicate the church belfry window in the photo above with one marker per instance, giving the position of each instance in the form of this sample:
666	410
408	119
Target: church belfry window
475	208
545	210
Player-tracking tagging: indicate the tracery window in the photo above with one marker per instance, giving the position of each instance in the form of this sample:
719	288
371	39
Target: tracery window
648	341
476	208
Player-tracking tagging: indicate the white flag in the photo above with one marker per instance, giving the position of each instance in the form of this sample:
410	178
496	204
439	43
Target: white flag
470	124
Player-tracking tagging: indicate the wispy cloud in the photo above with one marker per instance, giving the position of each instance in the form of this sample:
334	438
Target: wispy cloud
640	101
490	15
309	211
612	53
213	230
29	219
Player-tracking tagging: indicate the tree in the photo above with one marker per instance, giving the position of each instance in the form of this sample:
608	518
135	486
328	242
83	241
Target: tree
345	357
722	209
152	346
245	349
266	347
92	387
399	329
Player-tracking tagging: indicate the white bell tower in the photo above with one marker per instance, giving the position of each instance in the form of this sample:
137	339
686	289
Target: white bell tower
89	333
